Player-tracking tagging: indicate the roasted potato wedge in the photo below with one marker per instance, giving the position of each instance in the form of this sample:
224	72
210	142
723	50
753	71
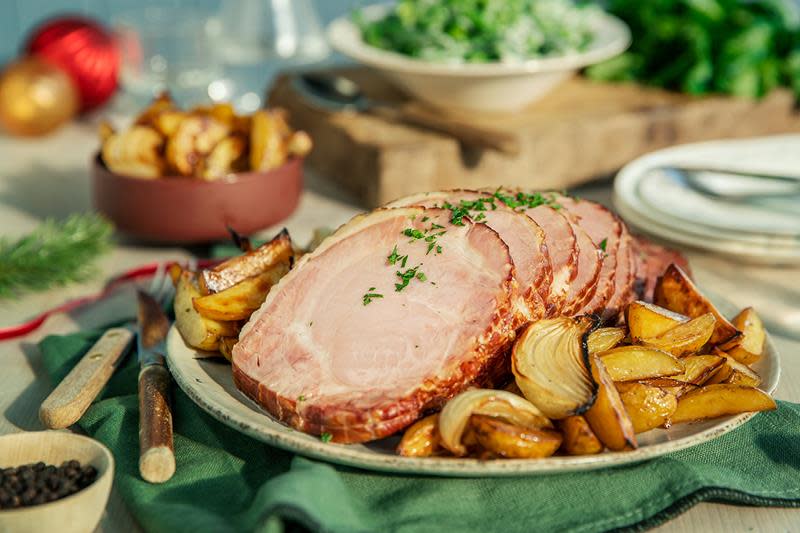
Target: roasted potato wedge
607	417
421	439
579	439
167	122
723	399
698	370
268	148
748	348
161	103
685	338
631	363
239	268
104	131
241	300
732	371
603	339
664	383
227	157
675	291
226	345
194	138
648	407
504	439
198	331
299	144
134	152
646	320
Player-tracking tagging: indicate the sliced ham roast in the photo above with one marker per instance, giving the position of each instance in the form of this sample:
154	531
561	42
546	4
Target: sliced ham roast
355	343
524	237
324	356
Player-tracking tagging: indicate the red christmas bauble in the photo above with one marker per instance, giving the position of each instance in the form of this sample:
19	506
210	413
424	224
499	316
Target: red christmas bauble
85	50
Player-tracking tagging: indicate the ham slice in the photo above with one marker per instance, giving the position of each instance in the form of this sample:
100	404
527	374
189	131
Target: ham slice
605	230
324	356
562	248
524	237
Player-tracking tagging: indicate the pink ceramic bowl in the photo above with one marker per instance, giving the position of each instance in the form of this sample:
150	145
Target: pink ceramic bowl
186	210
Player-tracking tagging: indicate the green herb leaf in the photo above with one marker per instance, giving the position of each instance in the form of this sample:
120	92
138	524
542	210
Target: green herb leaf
369	296
603	244
325	437
54	254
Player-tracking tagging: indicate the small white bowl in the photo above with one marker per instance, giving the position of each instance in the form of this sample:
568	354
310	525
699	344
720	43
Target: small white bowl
77	513
477	86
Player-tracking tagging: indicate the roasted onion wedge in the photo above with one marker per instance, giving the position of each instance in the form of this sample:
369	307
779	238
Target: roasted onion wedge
455	416
551	368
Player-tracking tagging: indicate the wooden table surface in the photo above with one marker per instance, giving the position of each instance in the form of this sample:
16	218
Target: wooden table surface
49	177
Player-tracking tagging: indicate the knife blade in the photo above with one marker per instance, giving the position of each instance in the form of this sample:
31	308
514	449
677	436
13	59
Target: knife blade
156	449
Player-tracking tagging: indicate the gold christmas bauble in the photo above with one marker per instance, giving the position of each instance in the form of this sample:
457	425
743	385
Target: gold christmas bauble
35	97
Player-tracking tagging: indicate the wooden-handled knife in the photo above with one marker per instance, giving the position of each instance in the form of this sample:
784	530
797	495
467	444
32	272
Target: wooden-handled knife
157	454
70	399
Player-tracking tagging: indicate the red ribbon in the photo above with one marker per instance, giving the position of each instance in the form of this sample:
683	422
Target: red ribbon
144	271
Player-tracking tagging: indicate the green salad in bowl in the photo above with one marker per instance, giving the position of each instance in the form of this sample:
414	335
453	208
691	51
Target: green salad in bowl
479	55
480	31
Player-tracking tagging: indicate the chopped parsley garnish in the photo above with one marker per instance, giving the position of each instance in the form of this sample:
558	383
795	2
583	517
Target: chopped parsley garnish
458	212
325	437
603	244
523	200
394	257
301	398
369	296
413	233
425	219
428	237
406	277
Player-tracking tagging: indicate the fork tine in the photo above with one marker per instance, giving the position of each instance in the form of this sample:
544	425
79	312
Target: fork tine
160	284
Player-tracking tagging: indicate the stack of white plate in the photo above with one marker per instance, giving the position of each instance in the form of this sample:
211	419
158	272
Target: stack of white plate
713	210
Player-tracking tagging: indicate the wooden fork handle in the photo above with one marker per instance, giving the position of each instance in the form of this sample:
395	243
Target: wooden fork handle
156	449
70	399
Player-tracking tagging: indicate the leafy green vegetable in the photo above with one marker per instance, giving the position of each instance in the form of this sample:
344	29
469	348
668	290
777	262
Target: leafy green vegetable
480	31
55	253
738	47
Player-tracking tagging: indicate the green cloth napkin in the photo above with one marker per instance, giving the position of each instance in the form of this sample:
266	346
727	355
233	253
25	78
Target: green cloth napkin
226	481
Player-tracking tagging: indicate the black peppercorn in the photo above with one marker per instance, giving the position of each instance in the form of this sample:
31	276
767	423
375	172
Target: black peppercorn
38	483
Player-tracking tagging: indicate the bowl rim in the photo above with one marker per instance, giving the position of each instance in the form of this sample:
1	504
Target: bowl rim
229	179
87	441
345	38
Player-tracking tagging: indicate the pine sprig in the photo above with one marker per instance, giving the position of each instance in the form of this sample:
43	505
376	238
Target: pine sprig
54	254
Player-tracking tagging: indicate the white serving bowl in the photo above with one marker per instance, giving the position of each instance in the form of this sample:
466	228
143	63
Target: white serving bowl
495	86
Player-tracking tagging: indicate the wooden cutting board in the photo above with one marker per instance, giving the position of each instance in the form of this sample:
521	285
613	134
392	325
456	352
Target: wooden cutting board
581	131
